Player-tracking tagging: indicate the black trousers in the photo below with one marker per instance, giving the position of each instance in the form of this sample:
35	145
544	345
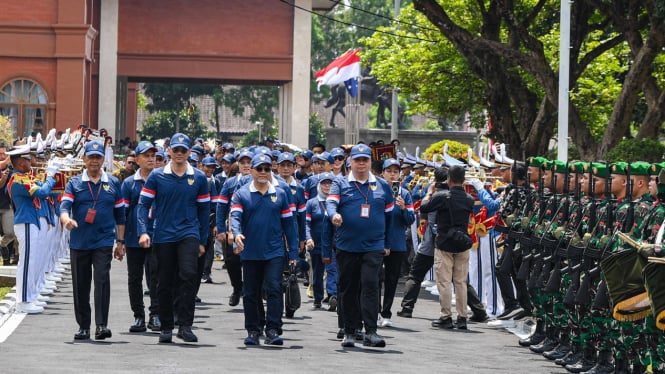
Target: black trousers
178	277
139	259
202	262
392	266
505	276
233	267
87	266
359	288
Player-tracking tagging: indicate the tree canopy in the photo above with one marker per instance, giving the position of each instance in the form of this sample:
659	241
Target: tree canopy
502	55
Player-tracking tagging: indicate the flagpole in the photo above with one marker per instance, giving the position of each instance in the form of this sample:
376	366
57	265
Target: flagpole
394	110
564	76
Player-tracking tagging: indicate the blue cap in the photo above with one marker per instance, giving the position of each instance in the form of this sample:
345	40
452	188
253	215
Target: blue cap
263	150
245	153
229	158
307	154
390	162
361	150
260	159
198	149
348	162
144	147
160	153
337	152
228	146
326	176
209	161
94	148
324	156
286	156
275	153
193	157
180	140
198	140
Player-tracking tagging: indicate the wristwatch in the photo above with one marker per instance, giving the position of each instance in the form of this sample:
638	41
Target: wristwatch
121	241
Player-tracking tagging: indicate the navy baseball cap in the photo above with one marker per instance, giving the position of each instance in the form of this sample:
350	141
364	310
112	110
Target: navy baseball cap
286	156
229	158
361	150
209	161
337	152
198	149
193	157
243	154
144	147
324	156
307	154
390	162
180	140
263	150
275	153
160	153
326	176
94	148
261	159
228	146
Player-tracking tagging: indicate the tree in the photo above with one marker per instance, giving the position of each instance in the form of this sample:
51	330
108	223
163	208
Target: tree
507	55
164	124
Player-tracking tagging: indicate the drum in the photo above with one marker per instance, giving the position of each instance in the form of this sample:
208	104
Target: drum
623	275
654	279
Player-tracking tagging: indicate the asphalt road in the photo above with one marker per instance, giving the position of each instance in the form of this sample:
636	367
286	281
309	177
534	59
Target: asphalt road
44	343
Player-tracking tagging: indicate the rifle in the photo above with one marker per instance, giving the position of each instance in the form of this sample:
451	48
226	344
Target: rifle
630	214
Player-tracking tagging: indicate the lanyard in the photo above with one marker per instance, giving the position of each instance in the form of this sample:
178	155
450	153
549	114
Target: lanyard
366	196
94	199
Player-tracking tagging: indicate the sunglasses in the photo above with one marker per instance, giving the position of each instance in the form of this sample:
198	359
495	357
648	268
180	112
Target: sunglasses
339	158
160	158
179	150
263	169
131	163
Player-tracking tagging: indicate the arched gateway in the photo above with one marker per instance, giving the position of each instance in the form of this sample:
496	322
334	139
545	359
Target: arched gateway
90	54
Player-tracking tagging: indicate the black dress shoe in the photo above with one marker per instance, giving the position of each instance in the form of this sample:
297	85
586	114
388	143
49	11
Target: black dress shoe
359	334
155	324
558	352
165	336
443	323
234	299
340	334
332	303
460	324
479	317
374	340
546	345
534	339
405	313
102	332
197	299
185	333
82	334
138	326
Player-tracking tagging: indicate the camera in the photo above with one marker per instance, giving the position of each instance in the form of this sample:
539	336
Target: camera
395	188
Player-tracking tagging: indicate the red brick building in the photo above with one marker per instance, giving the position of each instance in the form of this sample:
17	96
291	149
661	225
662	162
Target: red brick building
69	62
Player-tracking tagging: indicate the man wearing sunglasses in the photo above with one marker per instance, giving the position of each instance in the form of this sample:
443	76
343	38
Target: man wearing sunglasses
181	210
260	218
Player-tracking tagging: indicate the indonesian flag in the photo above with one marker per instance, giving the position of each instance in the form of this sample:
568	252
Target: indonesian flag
344	69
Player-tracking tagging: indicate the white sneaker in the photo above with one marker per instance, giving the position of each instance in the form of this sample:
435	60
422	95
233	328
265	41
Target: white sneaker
43	298
386	322
65	260
28	308
59	269
53	278
501	324
46	291
39	303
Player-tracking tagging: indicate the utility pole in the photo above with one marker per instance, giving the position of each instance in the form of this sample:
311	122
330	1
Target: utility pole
394	110
564	78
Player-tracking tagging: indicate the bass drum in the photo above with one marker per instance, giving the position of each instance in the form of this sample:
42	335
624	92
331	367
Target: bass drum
623	276
654	279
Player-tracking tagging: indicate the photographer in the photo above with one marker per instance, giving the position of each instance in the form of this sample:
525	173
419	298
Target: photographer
451	259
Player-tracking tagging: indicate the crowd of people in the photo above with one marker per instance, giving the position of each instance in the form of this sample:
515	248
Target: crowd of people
543	239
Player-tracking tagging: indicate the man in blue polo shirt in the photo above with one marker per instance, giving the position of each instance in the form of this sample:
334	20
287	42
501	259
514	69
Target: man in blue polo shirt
181	212
260	218
88	205
360	207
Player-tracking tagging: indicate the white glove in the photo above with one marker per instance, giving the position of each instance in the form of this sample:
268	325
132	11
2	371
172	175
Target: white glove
51	170
476	183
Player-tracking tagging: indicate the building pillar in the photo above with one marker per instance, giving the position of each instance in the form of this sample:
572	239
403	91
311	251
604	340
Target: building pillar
108	68
294	96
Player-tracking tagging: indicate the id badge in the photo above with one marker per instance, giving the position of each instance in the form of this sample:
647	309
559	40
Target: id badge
364	211
90	215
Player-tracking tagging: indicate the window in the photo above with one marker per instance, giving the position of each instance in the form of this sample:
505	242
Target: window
25	103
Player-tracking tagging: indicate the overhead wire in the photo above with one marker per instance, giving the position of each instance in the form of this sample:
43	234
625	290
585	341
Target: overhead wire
358	26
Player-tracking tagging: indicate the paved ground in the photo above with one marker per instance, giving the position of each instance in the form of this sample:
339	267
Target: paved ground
44	343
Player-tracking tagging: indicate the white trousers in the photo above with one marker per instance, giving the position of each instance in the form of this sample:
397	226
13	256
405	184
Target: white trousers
482	274
31	251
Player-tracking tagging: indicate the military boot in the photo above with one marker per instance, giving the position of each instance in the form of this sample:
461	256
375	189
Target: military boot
604	364
537	337
587	361
6	258
574	355
621	366
549	343
560	350
639	368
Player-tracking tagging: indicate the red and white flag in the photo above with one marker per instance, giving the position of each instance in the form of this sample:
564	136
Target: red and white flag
344	68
